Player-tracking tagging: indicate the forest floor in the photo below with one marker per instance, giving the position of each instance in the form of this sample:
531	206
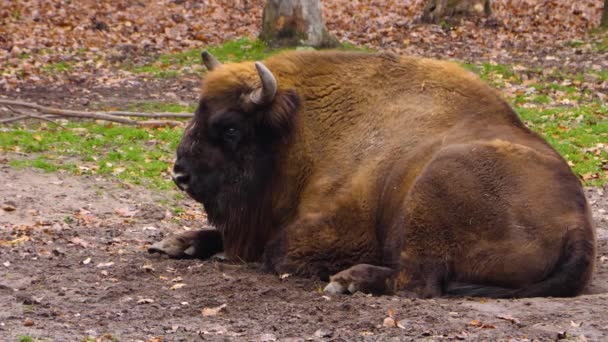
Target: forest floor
79	205
77	269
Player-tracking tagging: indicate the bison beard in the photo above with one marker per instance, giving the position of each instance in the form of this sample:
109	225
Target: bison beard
384	174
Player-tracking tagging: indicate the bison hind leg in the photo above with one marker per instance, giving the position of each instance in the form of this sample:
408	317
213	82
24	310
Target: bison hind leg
362	277
201	244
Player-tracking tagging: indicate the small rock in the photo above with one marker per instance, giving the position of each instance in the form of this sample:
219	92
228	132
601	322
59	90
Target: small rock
267	338
28	322
57	252
9	206
323	333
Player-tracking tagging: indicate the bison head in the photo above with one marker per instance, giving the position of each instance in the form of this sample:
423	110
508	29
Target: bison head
228	152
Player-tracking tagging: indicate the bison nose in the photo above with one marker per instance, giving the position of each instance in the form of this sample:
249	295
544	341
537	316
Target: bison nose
180	176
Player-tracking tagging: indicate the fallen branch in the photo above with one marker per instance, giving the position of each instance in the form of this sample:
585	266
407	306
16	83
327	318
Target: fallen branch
119	117
68	113
152	115
35	116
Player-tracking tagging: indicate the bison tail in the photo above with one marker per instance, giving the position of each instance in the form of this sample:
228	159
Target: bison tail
570	276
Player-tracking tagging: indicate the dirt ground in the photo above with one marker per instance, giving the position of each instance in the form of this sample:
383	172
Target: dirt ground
73	264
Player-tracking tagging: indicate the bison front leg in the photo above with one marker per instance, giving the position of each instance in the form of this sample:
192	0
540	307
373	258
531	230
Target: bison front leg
195	244
321	246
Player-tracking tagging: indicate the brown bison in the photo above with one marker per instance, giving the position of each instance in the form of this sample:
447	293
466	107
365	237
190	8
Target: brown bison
384	174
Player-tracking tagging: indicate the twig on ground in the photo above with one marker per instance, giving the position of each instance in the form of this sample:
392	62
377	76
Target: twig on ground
119	117
152	115
13	119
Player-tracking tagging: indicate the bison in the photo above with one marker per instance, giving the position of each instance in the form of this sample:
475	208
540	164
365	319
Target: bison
383	174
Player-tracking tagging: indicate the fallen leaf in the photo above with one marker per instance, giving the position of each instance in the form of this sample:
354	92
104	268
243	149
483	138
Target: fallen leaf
145	301
177	286
86	261
390	322
86	216
28	322
16	241
509	318
126	212
479	324
148	268
79	242
207	312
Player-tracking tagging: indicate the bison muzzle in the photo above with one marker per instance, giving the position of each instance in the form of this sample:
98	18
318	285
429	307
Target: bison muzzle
383	174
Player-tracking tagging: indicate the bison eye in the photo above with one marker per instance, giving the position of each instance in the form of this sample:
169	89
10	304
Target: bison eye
232	136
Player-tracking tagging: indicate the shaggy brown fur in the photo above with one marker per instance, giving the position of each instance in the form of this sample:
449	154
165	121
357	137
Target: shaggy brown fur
400	173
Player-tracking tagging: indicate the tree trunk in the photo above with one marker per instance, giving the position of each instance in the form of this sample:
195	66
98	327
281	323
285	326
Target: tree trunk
436	10
295	22
605	16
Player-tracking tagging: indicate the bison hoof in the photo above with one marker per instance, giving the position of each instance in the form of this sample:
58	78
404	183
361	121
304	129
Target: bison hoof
335	287
363	277
174	247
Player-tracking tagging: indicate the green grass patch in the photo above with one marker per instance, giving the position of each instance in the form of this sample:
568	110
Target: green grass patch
130	154
175	64
146	106
57	68
557	104
578	134
601	44
492	72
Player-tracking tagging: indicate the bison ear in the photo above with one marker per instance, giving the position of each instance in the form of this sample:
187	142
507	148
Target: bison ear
280	117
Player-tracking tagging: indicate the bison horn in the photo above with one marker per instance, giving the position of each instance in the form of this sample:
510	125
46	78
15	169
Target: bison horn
265	94
209	61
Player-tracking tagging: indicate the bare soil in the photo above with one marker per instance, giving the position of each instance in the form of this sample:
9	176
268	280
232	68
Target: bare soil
73	263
